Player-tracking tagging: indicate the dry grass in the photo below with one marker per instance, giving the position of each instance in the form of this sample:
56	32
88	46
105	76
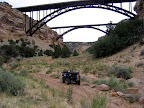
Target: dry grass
37	94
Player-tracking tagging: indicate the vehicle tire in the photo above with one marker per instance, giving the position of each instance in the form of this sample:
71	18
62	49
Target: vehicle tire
78	82
63	80
68	81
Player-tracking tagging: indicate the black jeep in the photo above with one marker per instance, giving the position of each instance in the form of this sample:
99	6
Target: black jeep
69	77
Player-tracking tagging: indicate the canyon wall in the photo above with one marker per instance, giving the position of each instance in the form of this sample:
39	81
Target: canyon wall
12	26
139	8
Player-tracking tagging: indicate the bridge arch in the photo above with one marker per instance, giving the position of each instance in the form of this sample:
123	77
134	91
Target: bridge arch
79	28
61	11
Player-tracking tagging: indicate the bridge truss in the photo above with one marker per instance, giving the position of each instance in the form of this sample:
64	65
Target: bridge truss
45	13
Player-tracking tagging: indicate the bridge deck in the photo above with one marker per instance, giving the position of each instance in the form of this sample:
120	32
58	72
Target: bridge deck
69	4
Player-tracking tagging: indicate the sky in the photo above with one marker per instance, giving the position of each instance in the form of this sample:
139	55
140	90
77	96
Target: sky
77	17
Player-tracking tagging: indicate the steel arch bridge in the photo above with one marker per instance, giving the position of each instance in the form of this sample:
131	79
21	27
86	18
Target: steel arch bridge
95	27
79	28
61	8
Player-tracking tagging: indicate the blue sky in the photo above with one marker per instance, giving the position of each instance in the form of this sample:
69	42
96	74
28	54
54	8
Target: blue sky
78	17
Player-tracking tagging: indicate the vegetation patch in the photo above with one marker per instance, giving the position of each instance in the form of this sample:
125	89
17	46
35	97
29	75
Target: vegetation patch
11	84
118	38
120	72
113	84
99	101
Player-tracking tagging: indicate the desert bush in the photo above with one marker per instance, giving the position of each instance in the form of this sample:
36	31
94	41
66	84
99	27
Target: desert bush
120	72
13	65
139	64
24	72
11	84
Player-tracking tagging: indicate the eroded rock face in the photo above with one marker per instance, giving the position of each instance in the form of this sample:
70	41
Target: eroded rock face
139	8
12	26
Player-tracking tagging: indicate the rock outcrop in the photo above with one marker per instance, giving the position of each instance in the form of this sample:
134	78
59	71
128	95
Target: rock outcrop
78	46
12	26
139	8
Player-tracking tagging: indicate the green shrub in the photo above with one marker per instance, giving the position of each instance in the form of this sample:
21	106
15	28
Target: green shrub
75	53
130	84
113	83
48	52
2	60
99	82
11	84
56	76
99	101
65	52
40	53
17	48
57	51
48	71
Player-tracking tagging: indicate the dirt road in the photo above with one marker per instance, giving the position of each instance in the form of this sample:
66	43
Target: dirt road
84	91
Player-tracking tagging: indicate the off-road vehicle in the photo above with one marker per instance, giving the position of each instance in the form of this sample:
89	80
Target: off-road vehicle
70	77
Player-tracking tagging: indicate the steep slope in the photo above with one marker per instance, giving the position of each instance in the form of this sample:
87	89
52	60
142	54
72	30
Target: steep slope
12	26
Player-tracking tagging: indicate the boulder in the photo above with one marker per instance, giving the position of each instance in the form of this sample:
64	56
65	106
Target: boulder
135	81
141	100
133	90
85	84
120	94
102	87
114	94
93	86
117	94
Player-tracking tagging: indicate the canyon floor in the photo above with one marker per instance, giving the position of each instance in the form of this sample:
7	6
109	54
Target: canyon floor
45	89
